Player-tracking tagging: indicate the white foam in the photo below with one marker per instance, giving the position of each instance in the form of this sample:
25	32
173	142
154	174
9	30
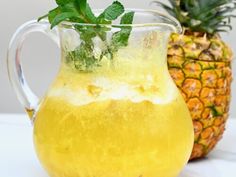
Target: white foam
111	91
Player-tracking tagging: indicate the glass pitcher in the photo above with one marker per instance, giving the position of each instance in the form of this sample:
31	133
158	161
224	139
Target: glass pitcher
108	116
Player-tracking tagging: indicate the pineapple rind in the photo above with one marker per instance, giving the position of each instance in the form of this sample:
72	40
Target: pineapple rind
201	68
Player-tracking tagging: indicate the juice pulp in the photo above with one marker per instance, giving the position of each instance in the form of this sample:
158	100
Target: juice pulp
116	126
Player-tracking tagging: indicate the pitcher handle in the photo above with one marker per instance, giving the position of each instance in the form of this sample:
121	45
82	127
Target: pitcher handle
25	95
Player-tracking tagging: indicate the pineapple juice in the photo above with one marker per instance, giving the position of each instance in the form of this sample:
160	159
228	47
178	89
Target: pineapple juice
127	119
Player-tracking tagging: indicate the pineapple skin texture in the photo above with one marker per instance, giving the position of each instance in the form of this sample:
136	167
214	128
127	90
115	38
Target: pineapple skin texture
201	69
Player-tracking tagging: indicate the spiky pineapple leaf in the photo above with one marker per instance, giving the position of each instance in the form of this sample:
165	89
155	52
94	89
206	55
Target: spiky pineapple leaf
166	7
208	16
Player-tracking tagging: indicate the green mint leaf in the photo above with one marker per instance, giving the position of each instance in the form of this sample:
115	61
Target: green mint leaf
113	11
82	4
63	2
121	38
90	15
87	33
62	17
53	13
85	10
69	7
83	58
127	18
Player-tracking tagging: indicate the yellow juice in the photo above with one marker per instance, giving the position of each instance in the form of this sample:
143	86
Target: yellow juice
112	124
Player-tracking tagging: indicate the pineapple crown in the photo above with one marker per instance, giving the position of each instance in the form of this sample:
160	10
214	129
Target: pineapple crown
207	16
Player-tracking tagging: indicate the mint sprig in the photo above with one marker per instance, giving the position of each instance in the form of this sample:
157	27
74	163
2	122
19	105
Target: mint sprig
79	11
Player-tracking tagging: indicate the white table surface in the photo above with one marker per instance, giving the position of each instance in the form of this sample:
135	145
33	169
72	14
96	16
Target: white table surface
18	159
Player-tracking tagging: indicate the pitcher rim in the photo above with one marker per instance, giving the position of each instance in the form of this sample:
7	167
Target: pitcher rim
171	21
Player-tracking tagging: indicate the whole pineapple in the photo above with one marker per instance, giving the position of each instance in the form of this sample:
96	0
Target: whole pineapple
200	64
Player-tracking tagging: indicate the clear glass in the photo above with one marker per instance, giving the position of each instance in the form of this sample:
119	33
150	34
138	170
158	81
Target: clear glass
123	117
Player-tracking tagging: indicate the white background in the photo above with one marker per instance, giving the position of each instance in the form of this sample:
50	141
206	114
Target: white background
40	54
